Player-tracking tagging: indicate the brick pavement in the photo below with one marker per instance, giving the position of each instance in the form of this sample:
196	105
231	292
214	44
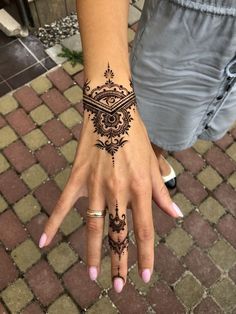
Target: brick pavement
195	257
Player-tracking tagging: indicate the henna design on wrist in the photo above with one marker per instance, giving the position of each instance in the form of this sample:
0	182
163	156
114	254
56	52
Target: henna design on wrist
110	105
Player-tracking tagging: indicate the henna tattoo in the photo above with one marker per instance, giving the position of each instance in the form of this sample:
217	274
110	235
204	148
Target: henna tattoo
115	222
110	105
119	246
118	275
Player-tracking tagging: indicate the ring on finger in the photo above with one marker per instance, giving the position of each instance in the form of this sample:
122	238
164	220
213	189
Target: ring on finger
96	213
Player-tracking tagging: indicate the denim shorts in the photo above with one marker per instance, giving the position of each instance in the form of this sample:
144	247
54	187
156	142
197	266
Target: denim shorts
183	66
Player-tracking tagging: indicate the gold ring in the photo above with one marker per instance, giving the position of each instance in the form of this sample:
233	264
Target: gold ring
96	213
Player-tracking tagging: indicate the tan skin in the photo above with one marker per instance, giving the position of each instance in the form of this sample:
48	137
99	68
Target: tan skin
135	179
163	165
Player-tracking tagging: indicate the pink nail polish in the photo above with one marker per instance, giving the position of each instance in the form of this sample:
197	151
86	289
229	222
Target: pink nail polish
177	210
93	273
42	240
118	284
146	275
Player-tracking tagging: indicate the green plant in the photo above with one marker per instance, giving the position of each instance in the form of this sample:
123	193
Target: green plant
71	55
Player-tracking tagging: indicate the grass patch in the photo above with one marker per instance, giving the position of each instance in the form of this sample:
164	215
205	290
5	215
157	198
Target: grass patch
71	55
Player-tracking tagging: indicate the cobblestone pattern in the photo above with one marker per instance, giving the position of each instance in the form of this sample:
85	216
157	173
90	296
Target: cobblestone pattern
195	257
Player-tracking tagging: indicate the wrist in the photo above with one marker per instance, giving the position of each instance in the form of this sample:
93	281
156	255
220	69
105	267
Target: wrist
97	74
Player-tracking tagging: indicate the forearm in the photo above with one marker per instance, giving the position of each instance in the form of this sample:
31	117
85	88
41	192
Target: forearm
104	27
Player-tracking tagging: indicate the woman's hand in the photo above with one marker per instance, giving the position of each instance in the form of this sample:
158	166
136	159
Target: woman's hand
116	168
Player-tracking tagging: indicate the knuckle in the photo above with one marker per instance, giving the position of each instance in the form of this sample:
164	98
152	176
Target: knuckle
115	183
94	178
118	237
139	184
115	268
92	258
112	183
145	259
112	238
144	233
93	227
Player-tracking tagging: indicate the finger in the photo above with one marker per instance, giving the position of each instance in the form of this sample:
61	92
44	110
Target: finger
118	242
144	231
68	197
160	193
95	228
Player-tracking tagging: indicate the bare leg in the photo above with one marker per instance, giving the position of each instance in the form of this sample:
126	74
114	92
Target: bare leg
164	167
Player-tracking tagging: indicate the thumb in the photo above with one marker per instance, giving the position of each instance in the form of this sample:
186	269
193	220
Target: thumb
160	193
65	202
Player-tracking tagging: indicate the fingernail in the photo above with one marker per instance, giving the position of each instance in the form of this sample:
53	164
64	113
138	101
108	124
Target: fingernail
118	284
177	210
93	273
146	275
42	240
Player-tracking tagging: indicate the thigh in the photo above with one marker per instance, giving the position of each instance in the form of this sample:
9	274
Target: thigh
222	121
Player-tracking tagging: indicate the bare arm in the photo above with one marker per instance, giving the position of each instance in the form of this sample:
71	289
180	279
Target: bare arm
104	28
115	166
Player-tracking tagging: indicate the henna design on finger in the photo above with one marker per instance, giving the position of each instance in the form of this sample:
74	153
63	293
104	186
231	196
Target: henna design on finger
116	223
110	105
118	246
118	275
